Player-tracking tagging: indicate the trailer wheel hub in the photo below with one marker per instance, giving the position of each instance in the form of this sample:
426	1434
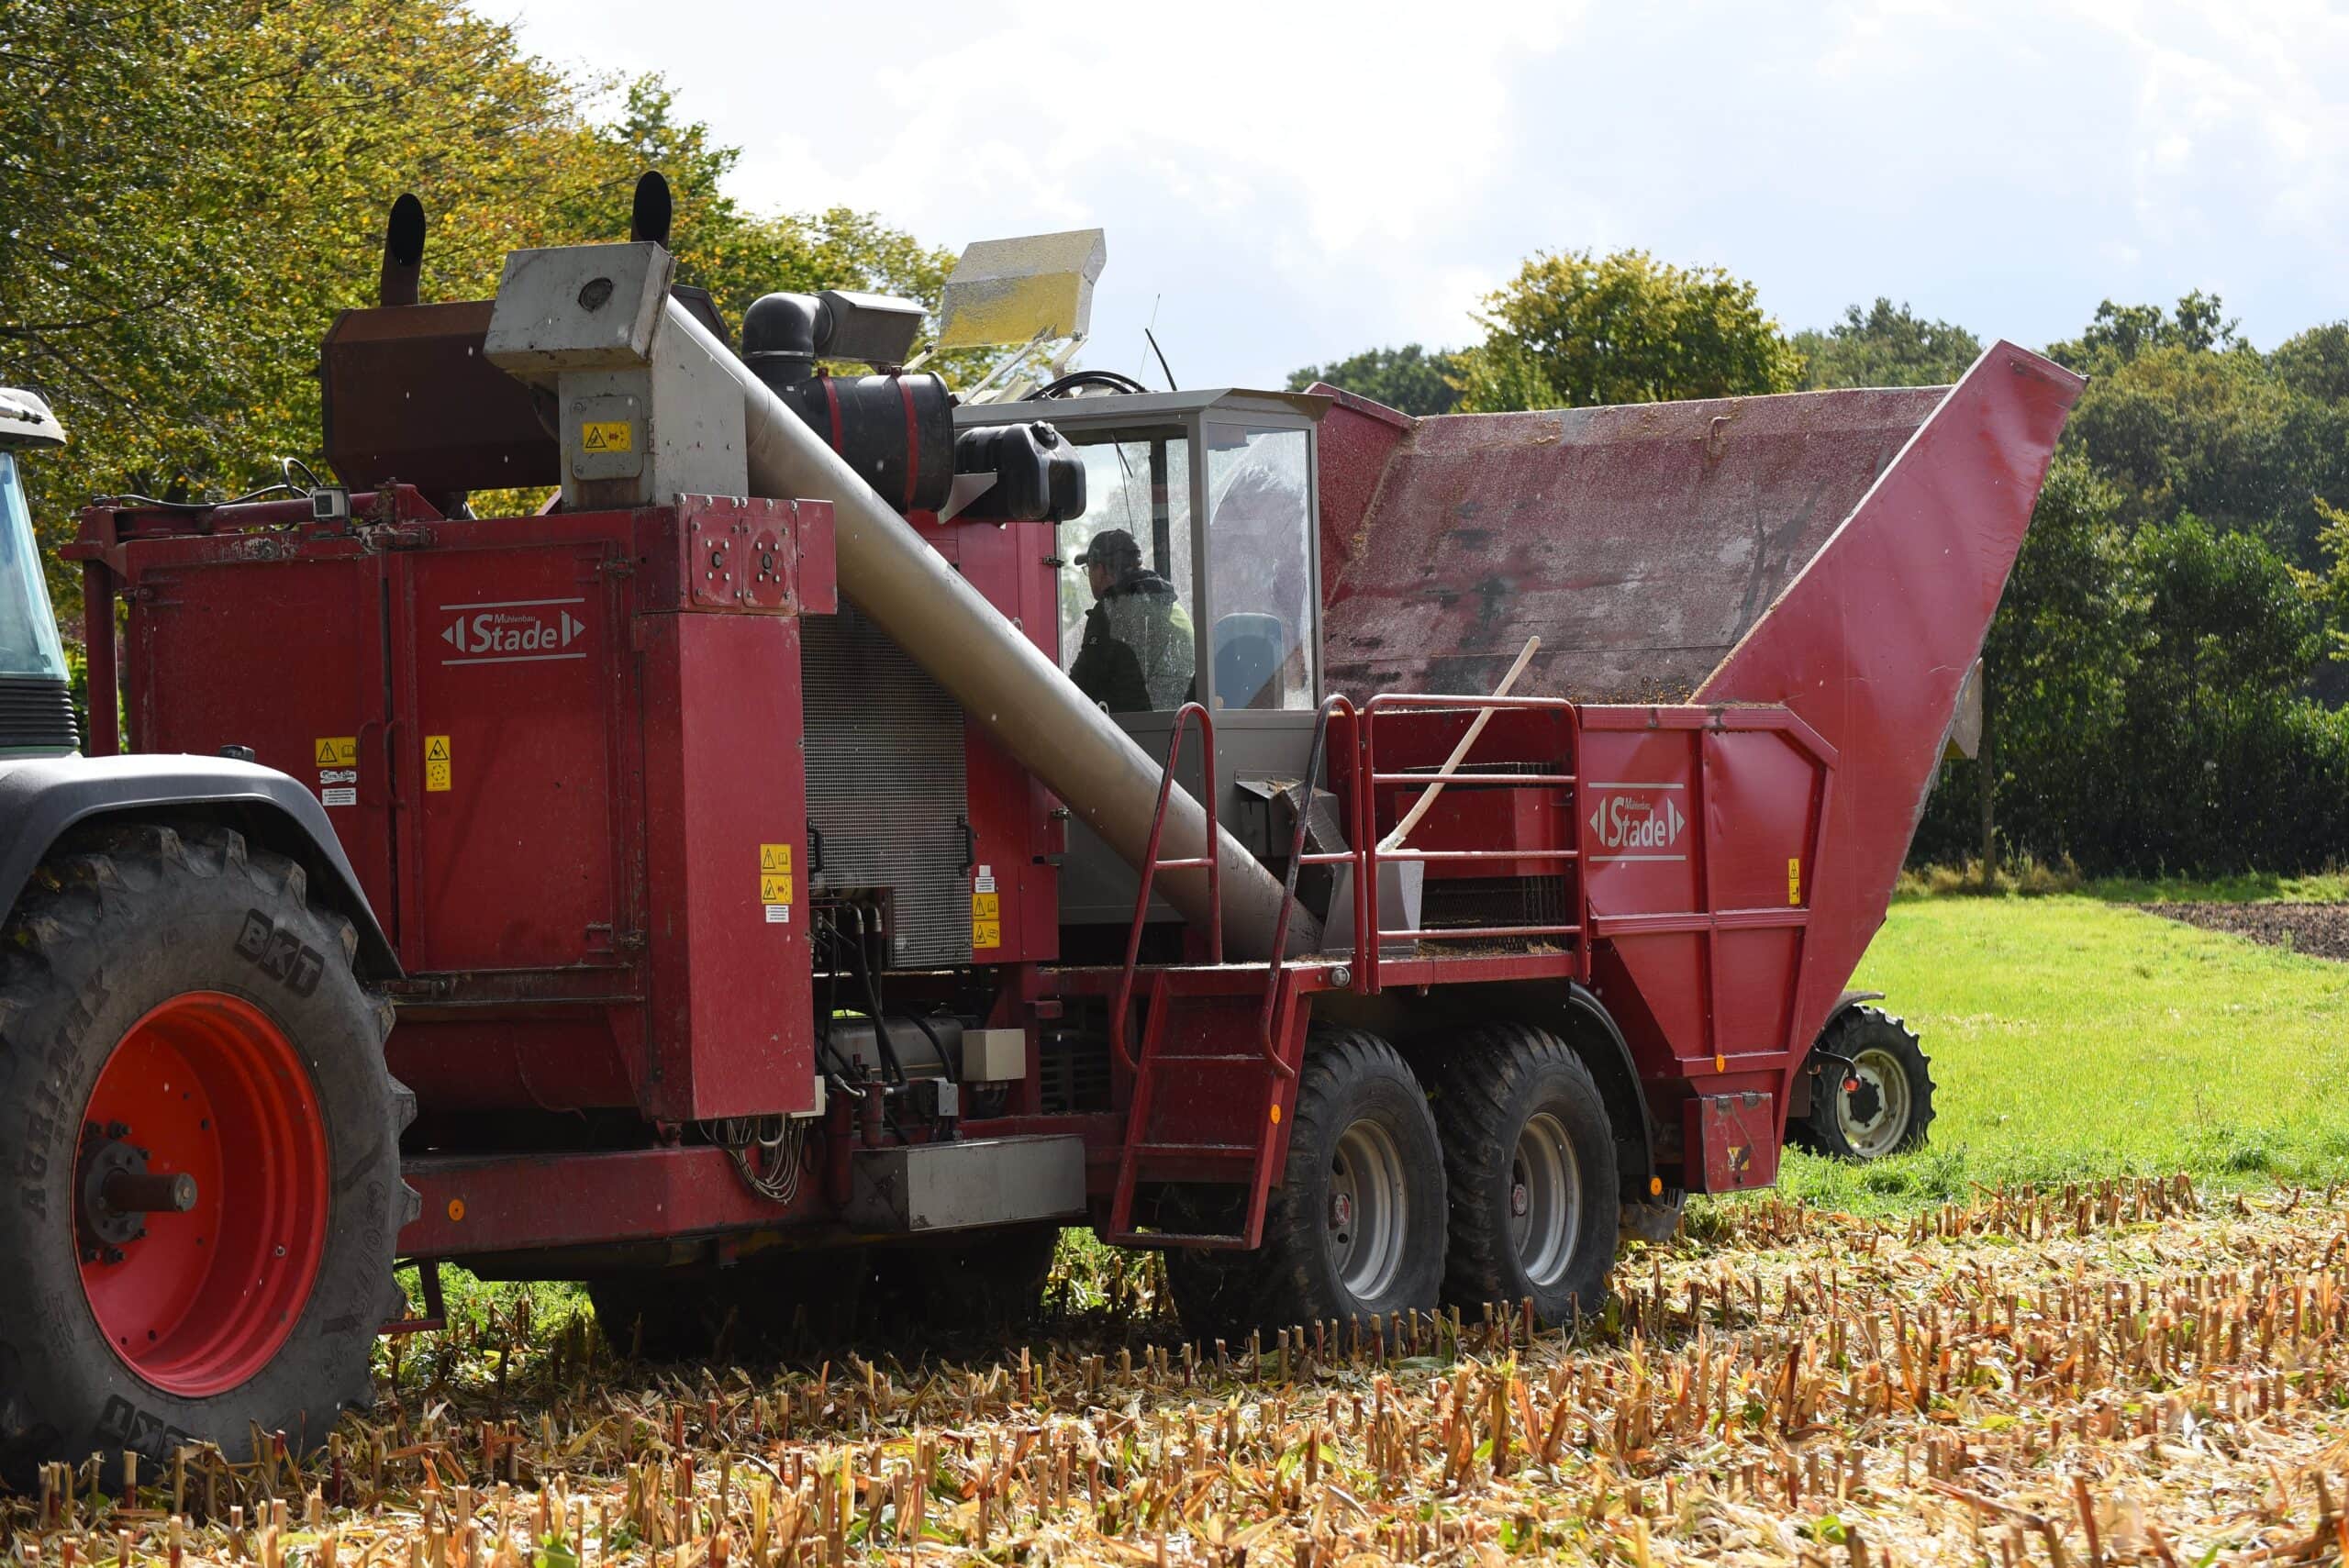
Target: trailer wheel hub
201	1208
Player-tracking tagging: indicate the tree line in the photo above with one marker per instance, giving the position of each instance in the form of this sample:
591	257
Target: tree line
2166	676
190	190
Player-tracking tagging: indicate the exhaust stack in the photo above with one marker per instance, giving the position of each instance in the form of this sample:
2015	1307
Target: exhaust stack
596	323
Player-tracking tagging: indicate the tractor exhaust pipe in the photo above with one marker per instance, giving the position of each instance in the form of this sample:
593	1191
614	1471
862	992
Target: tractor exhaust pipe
1000	678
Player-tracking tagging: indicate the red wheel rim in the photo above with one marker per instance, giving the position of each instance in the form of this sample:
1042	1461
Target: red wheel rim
208	1086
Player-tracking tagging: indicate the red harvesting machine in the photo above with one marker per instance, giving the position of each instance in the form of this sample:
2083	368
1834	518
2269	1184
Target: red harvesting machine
754	916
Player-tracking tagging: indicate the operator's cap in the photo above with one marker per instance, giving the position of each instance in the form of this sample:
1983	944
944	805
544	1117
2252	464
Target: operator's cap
1109	546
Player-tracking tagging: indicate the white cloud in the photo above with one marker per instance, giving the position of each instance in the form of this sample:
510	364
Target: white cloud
1287	182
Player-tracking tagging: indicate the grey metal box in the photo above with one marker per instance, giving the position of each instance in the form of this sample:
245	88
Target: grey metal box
921	1187
994	1056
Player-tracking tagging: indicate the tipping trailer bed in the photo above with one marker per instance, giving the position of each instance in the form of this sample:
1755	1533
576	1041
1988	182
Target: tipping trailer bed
1765	609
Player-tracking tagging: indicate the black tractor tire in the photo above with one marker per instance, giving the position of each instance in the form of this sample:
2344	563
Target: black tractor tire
125	933
1896	1082
772	1304
984	1282
1529	1163
1362	1126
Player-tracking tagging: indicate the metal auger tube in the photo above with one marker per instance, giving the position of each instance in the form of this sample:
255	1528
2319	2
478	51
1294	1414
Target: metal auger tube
1001	679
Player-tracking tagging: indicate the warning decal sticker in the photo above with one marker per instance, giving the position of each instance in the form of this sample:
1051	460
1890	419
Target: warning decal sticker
440	767
605	435
777	892
337	751
987	918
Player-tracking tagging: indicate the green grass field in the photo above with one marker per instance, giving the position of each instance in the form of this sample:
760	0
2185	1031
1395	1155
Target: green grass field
2074	1036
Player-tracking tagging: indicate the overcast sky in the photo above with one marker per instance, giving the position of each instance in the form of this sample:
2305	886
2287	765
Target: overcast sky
1284	184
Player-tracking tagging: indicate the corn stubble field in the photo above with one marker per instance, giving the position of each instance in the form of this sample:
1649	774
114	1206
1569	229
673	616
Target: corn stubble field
2118	1373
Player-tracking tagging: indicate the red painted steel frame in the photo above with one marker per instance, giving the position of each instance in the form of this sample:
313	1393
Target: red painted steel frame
632	976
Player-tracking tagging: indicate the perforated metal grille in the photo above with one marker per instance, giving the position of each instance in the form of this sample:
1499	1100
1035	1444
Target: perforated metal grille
885	786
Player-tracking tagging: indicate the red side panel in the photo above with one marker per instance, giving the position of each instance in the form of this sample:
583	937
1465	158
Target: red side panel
1871	642
513	657
284	656
726	816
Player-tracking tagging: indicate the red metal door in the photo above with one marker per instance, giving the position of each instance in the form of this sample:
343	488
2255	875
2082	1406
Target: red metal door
513	666
284	656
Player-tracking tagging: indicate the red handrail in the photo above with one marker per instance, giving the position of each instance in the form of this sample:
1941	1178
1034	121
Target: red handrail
1370	935
1152	865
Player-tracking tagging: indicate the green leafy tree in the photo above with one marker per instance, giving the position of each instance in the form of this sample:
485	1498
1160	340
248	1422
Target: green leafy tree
1410	380
1884	345
1577	329
193	190
2121	332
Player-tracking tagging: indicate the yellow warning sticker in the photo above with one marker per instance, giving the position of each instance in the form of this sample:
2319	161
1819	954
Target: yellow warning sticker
337	751
986	933
605	435
440	769
774	887
774	857
986	906
1794	882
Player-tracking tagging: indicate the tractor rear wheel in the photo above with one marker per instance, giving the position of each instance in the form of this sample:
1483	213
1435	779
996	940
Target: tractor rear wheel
1530	1158
1356	1226
1882	1103
203	1141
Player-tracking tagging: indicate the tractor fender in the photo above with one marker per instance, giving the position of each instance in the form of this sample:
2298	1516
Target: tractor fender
42	797
1798	1095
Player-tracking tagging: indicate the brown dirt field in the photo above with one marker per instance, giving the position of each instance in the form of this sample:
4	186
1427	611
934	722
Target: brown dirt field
2320	930
2080	1378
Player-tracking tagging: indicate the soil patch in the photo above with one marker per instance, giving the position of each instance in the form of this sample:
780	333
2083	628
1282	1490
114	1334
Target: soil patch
2320	929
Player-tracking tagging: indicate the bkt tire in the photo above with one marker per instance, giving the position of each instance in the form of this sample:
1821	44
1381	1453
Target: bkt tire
1529	1155
1882	1103
199	1155
1357	1225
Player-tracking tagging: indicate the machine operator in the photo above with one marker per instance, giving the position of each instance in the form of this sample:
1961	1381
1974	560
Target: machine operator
1137	655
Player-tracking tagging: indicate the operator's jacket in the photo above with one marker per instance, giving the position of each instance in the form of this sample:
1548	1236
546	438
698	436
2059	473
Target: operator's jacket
1138	653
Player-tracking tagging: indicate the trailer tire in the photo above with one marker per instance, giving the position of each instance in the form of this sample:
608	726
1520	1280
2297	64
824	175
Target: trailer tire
142	961
1529	1163
1356	1226
1892	1109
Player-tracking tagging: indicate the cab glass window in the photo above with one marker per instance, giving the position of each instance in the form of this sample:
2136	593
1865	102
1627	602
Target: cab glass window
1260	553
1138	482
28	644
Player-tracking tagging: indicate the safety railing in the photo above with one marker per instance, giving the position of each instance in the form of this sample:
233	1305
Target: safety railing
1371	932
1152	865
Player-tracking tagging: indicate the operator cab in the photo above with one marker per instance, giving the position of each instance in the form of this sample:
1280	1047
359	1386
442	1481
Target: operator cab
36	704
1246	584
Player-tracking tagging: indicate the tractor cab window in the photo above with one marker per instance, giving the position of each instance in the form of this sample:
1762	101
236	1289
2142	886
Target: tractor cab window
1127	636
29	642
1259	555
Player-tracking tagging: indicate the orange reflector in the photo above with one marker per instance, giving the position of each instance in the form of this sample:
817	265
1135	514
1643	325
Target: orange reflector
1656	1186
1276	1113
456	1208
1721	1064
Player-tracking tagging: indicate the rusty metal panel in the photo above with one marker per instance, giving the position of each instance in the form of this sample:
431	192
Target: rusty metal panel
1638	542
408	397
1732	1141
